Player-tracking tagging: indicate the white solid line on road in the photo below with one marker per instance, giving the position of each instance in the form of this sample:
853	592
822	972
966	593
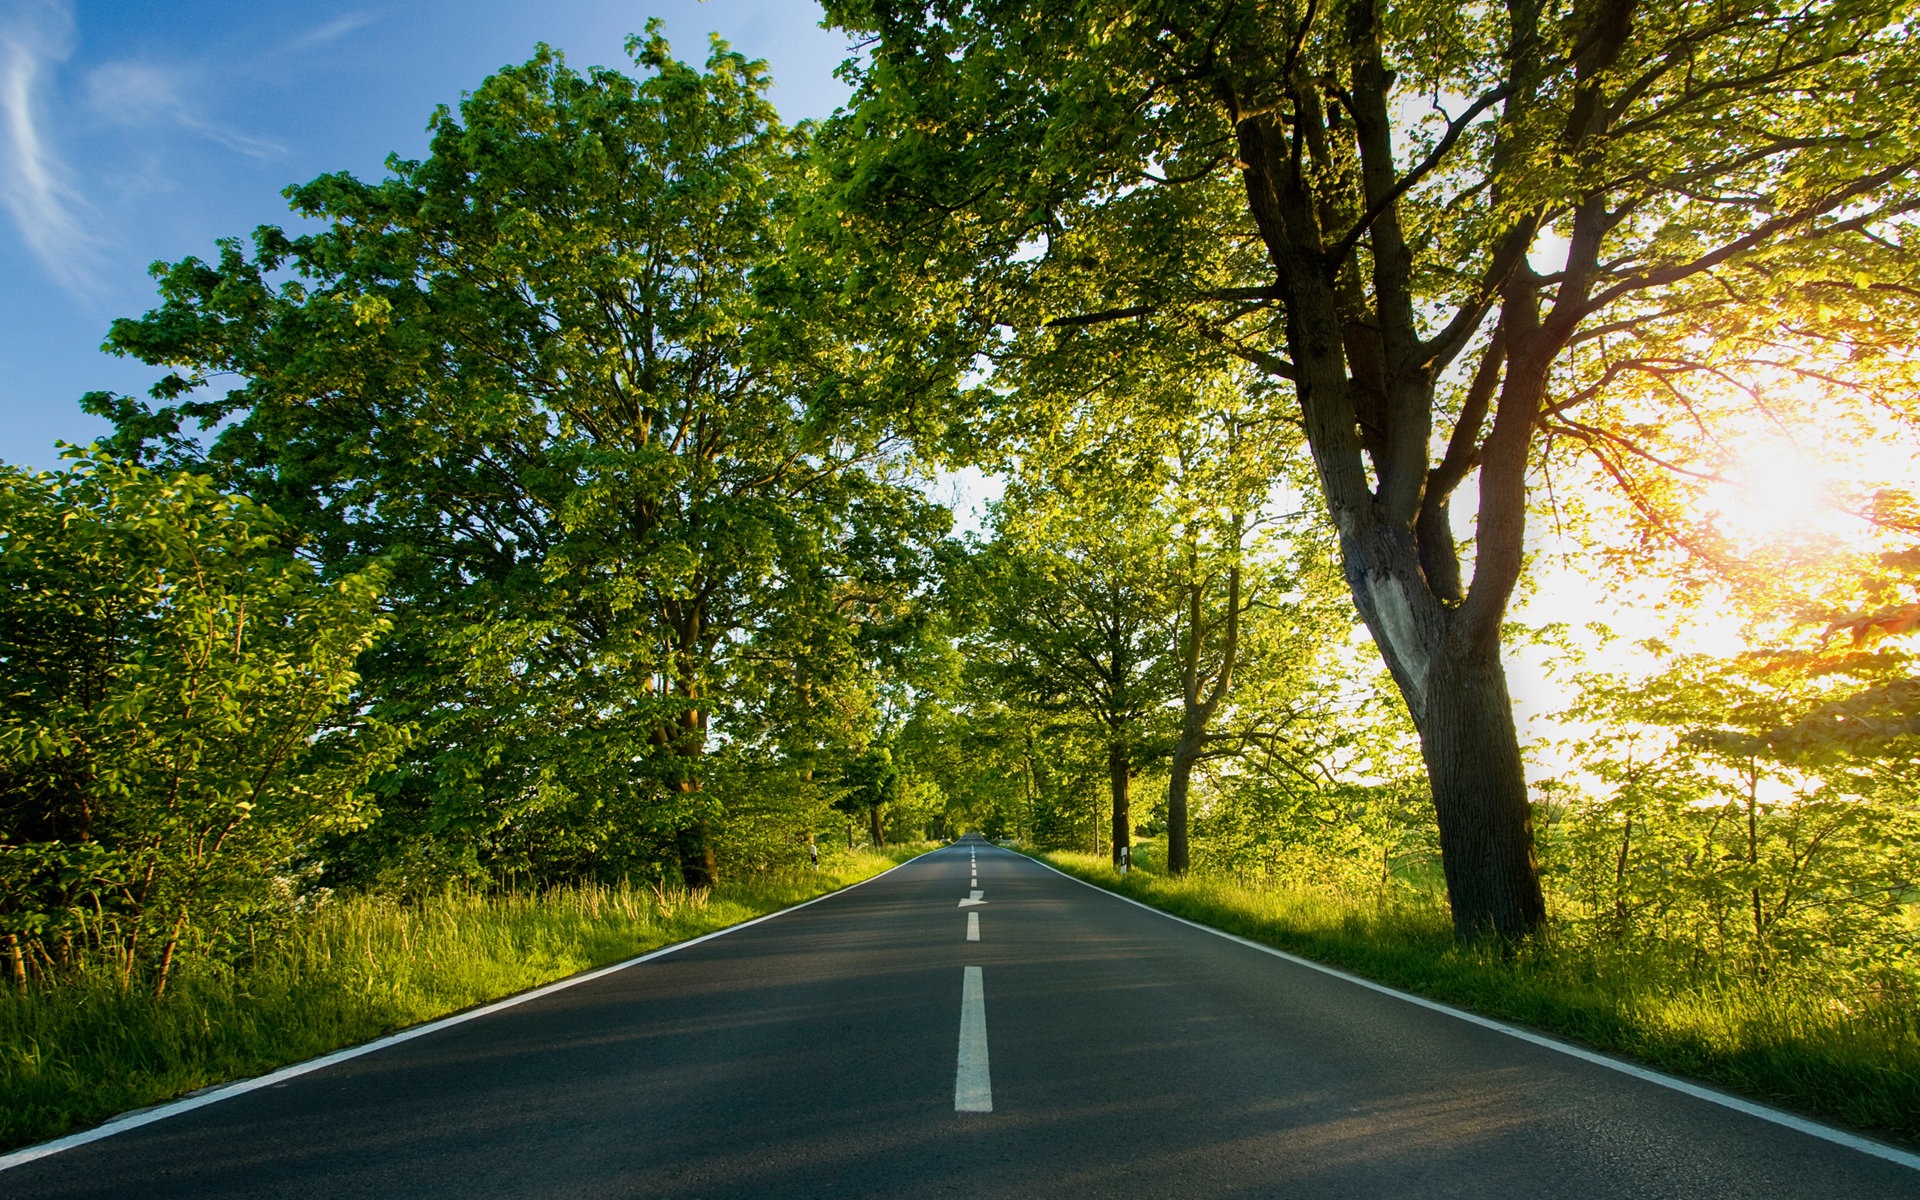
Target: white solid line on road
1826	1133
240	1087
973	927
972	1085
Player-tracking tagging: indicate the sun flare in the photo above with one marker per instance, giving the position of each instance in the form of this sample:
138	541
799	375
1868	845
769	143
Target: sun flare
1775	491
1804	474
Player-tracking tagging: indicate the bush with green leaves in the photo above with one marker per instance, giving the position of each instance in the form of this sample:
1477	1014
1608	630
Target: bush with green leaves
1724	828
181	719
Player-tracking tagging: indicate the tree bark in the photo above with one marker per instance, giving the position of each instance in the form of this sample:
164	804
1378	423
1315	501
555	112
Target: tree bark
1366	380
1480	798
1186	752
873	827
1120	778
1197	711
698	868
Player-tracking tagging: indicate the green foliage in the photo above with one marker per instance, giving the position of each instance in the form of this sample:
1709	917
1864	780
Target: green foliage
870	782
1355	834
1718	832
993	768
1155	588
602	425
183	719
561	372
1364	200
1075	603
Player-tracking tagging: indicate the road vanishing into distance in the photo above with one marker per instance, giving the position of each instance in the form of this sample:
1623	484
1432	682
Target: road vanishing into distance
971	1024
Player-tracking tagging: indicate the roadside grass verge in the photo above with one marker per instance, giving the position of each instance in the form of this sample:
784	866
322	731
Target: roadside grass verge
353	970
1789	1042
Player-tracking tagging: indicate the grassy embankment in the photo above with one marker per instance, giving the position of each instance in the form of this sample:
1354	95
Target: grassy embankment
1789	1042
354	970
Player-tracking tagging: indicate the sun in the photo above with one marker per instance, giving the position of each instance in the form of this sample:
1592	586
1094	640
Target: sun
1773	491
1799	471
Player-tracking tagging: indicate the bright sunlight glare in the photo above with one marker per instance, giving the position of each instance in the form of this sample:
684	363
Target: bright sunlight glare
1775	490
1801	473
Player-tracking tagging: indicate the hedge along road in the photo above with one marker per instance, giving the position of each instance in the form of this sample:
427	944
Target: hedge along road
969	1024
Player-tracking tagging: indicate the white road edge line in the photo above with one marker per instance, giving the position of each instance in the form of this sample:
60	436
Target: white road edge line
972	1084
174	1108
1828	1133
973	927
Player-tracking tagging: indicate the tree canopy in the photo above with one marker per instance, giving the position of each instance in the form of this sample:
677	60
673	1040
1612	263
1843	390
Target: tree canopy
558	372
183	719
1446	228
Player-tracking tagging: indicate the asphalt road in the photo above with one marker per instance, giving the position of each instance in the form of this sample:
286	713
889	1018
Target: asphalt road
826	1052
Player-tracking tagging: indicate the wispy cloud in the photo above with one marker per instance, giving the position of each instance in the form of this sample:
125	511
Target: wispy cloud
36	188
145	94
330	32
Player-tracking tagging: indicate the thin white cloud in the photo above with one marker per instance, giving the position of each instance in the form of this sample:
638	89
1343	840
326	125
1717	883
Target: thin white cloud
145	94
36	189
332	31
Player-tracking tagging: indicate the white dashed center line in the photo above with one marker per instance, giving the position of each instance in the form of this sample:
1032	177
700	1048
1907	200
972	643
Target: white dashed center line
972	1085
973	927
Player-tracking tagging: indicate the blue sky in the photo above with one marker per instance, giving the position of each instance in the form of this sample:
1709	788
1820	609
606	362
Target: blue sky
134	132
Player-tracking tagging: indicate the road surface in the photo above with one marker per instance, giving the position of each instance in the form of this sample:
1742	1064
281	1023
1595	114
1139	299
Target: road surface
969	1025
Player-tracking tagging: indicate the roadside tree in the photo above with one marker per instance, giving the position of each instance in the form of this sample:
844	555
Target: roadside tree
561	373
1443	226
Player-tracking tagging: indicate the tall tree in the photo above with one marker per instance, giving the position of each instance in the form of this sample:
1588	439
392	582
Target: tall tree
1437	223
1075	598
1244	602
559	369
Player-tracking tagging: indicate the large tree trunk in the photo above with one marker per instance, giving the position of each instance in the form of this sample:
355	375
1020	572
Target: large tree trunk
1480	798
873	827
685	734
1456	690
1365	374
1120	777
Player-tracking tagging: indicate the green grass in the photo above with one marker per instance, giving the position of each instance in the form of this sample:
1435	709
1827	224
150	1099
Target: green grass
355	969
1790	1043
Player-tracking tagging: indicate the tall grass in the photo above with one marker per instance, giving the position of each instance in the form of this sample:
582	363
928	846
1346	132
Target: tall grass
352	970
1791	1041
